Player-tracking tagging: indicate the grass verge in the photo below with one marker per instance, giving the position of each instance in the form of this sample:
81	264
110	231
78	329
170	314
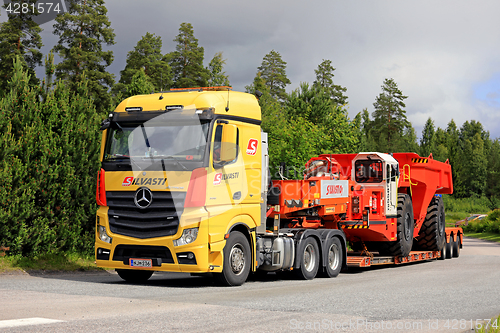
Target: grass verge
65	262
484	235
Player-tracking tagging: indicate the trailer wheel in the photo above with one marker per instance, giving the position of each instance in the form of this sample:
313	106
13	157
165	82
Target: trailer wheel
456	247
432	235
402	246
134	276
309	263
443	253
236	260
334	257
449	248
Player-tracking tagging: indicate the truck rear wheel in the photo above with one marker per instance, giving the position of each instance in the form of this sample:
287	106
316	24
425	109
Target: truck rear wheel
402	246
334	257
309	263
134	276
432	235
237	259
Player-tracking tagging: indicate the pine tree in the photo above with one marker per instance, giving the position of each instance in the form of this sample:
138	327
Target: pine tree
217	75
187	60
82	32
20	35
273	72
324	79
147	55
389	117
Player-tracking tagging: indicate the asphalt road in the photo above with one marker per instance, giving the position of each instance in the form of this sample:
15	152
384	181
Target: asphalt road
434	296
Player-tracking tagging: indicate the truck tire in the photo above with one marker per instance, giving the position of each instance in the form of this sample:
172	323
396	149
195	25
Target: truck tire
334	257
405	225
134	276
309	263
237	259
456	247
432	235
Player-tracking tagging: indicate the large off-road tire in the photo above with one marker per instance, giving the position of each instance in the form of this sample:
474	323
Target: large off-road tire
310	260
405	225
432	235
334	257
134	276
237	260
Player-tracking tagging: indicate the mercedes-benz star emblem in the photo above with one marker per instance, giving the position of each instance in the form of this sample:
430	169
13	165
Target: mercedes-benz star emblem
143	197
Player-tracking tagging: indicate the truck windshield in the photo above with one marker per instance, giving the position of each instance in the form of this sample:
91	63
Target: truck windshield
177	140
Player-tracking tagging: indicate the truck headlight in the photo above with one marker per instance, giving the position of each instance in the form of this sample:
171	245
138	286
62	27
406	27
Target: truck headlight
103	235
188	236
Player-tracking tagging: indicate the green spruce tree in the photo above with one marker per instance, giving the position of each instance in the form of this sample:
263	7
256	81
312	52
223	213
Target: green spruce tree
427	144
389	117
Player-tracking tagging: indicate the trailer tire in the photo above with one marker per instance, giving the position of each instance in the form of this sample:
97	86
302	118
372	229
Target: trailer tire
237	259
432	235
456	247
334	257
134	276
405	225
449	249
309	261
443	253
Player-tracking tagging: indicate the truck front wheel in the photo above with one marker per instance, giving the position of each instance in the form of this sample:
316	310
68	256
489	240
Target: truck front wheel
237	259
309	263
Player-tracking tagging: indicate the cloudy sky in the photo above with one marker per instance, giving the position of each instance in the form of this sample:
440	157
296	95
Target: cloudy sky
444	55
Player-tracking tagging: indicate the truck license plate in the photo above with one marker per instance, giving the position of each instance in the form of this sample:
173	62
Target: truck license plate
141	263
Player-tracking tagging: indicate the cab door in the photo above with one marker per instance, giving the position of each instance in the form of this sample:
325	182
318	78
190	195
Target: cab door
391	207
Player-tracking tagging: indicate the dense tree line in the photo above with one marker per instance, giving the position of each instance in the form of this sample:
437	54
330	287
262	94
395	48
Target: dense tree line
50	137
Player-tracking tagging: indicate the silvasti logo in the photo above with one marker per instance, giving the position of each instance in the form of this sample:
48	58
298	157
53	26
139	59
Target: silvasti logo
219	177
40	11
128	181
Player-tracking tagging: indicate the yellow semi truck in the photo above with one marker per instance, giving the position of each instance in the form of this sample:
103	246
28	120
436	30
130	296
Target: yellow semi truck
181	187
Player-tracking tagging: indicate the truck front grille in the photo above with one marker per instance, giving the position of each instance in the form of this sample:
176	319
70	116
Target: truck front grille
160	219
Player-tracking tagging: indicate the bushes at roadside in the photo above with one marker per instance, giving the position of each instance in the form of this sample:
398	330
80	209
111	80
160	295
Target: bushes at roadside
491	223
49	149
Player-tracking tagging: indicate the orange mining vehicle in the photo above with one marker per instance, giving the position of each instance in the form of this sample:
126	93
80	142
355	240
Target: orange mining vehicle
387	205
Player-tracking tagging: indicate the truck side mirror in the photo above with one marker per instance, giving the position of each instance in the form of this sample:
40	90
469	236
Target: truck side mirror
227	145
